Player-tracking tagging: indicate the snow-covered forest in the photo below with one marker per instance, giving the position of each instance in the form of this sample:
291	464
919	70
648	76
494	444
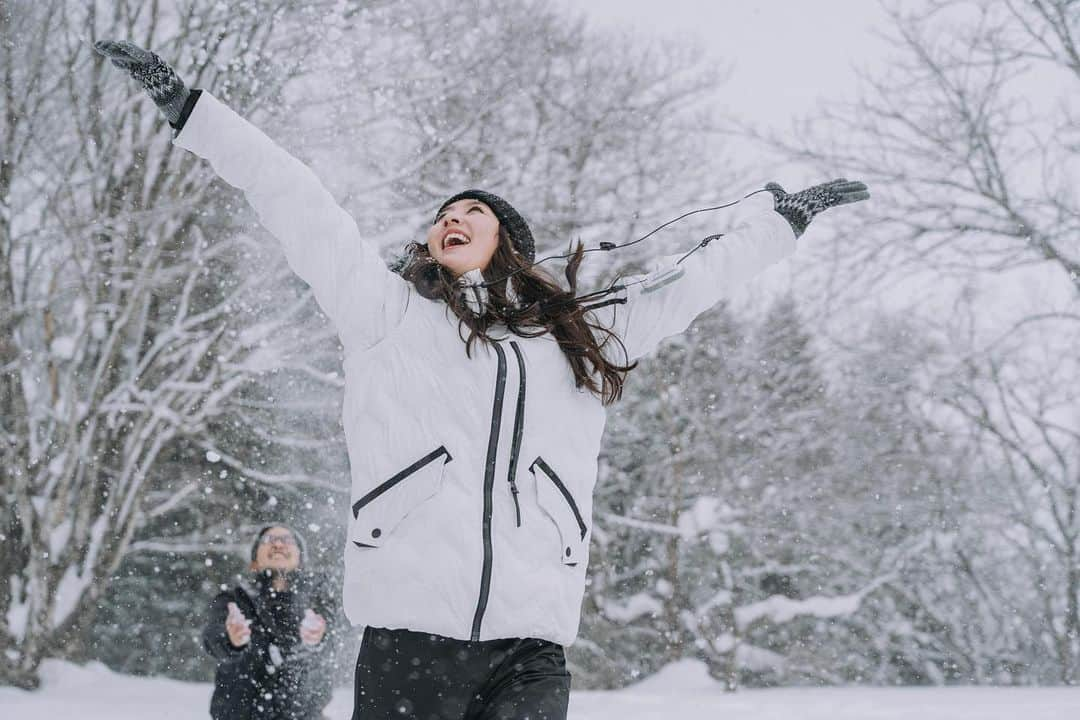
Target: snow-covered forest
866	470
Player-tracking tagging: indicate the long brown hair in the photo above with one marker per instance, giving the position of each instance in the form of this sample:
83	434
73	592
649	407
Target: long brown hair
543	306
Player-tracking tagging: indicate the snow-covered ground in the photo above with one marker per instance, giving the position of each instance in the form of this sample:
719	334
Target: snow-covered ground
682	690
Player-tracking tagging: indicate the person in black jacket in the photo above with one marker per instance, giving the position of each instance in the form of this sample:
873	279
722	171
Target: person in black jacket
269	637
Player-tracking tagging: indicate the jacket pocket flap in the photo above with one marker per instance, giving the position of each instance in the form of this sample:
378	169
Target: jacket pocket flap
379	511
556	500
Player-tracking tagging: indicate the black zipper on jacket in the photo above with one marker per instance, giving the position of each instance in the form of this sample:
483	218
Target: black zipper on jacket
519	424
489	486
565	492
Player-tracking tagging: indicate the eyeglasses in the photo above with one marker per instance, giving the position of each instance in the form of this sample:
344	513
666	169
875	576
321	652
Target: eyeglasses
283	539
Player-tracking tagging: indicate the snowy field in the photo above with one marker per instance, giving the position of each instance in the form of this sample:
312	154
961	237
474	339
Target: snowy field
681	691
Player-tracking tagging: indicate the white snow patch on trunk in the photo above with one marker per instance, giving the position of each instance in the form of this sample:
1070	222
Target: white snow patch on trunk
701	517
63	348
17	613
97	534
56	465
68	592
59	537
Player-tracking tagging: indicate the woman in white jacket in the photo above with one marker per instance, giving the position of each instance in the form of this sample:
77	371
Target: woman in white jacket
474	405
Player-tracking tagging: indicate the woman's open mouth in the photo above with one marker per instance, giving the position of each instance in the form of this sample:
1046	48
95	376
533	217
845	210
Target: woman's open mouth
454	239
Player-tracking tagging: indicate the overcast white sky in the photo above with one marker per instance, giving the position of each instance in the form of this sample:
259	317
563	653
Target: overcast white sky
786	54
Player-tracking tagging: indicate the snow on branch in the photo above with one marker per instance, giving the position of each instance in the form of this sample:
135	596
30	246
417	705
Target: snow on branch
268	478
782	609
641	524
188	548
174	500
636	606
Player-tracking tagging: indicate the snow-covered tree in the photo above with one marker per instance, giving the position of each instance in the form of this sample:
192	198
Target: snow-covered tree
969	139
1019	549
705	463
758	512
125	325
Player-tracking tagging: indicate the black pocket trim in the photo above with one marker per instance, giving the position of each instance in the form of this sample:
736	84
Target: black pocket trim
398	477
539	462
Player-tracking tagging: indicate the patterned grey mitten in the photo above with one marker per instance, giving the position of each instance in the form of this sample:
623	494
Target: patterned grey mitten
158	79
801	207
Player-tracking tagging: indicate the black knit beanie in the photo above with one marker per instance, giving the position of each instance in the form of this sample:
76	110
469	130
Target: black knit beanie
259	537
520	235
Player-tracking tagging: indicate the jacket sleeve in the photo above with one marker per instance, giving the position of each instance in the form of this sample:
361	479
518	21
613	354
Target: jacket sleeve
665	301
215	639
322	243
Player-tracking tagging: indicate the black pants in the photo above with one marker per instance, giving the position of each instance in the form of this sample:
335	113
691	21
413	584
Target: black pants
419	676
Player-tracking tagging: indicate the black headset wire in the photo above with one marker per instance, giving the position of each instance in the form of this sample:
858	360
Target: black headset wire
606	246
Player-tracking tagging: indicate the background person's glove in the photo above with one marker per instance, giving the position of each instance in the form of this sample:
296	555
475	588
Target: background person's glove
801	207
237	626
312	628
159	80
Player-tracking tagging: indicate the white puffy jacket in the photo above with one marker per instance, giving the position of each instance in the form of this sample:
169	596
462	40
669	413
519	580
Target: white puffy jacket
472	479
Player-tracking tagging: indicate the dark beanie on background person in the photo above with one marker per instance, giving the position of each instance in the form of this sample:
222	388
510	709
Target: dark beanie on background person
259	537
520	235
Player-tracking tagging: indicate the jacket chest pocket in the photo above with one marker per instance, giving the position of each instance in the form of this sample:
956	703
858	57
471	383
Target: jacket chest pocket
558	503
378	512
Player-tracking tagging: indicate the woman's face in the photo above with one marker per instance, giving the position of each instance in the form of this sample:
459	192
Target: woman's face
464	236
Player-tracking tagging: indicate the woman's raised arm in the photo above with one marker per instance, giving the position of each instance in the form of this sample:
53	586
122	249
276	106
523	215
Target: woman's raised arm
322	243
666	301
